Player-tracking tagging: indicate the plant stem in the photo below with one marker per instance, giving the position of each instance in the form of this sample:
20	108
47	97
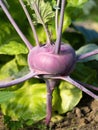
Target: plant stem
44	26
15	25
88	85
50	87
59	33
4	84
80	86
86	55
30	22
56	17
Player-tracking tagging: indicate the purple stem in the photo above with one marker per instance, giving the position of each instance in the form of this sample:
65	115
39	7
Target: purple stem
83	56
37	12
30	22
88	85
4	84
81	87
59	33
56	17
50	87
15	25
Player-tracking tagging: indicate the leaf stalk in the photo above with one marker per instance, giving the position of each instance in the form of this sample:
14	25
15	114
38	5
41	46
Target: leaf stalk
30	22
56	16
44	26
25	40
59	33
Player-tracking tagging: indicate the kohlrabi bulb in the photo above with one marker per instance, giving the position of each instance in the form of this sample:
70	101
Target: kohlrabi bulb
43	59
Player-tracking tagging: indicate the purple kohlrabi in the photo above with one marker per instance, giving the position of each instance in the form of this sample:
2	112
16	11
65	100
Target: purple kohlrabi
50	61
44	60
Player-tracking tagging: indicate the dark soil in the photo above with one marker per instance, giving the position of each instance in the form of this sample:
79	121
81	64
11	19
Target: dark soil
83	117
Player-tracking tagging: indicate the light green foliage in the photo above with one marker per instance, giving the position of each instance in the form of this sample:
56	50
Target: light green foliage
29	102
8	70
65	97
18	48
76	3
44	9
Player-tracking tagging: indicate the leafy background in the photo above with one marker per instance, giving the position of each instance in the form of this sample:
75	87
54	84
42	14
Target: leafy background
21	103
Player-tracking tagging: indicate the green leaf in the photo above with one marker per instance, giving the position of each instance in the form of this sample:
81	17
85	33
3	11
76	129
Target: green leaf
69	97
88	48
44	9
28	103
13	48
22	59
76	3
5	96
85	74
9	70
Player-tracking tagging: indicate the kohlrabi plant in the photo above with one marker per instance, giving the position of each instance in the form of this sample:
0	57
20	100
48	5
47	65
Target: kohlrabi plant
51	61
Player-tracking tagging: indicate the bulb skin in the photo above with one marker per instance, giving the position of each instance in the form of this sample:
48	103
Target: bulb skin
43	59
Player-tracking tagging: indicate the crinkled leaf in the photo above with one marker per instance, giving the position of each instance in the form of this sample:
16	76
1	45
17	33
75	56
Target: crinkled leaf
69	97
44	9
21	59
7	32
9	70
88	48
13	48
5	96
28	103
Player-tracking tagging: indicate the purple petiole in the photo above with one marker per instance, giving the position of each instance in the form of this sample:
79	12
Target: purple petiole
15	25
30	22
59	32
78	85
86	55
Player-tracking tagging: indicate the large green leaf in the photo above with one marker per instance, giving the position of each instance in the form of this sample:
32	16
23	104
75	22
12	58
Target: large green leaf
69	97
9	70
13	48
44	9
29	102
88	48
5	96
